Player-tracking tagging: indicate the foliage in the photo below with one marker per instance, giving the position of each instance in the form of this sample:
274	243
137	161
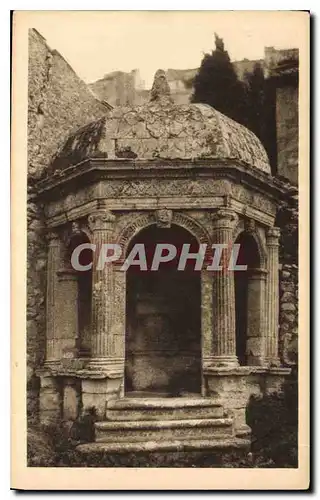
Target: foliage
274	423
273	420
217	84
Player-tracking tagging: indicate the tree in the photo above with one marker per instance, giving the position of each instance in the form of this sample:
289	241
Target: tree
256	100
217	84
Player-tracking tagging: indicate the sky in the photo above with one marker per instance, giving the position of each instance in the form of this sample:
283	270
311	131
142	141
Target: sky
99	42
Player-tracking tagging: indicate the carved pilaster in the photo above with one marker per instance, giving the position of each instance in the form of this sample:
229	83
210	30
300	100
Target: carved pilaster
67	313
223	303
54	254
101	225
256	320
272	296
206	317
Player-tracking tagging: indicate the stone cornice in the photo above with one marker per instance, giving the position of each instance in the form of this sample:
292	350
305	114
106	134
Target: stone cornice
94	170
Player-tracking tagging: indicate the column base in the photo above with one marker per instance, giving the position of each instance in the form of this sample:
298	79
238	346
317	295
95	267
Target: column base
222	361
106	364
51	363
97	392
272	361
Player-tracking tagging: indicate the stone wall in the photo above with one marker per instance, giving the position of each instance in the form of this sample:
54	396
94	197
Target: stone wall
287	132
59	101
287	220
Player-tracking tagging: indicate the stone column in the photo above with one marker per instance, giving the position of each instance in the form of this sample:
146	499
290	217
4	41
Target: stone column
256	320
102	342
272	296
67	313
206	317
223	304
54	256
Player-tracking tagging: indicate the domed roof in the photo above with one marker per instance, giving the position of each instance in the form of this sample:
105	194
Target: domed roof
161	129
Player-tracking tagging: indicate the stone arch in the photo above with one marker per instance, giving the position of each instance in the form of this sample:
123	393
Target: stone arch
75	229
144	220
243	228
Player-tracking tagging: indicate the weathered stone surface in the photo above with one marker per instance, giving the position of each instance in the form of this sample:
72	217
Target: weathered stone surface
161	129
70	402
288	306
59	101
169	445
163	409
109	432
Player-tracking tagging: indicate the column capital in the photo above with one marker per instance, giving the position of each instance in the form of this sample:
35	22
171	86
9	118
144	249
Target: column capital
53	238
224	218
101	220
273	236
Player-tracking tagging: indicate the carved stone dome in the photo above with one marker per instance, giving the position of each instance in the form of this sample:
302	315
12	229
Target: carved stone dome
163	130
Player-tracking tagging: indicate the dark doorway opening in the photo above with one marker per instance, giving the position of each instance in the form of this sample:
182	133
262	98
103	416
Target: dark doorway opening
163	331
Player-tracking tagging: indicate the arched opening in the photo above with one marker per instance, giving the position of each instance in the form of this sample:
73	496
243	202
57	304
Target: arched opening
248	297
163	330
84	293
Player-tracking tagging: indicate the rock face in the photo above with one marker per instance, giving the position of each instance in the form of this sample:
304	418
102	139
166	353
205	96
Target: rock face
59	101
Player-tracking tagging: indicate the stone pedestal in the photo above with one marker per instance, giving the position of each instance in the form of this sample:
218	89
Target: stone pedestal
71	399
96	392
223	300
50	400
272	297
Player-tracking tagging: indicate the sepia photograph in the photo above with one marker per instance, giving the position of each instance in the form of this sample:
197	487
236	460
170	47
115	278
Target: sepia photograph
165	206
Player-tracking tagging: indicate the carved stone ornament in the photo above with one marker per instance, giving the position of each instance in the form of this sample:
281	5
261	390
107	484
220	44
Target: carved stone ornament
224	217
273	236
101	220
163	217
53	238
250	225
160	88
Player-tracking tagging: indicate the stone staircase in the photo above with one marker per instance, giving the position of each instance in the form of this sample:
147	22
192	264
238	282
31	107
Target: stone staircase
164	424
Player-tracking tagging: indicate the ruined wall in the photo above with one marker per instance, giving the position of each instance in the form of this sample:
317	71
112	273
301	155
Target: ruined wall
287	220
59	101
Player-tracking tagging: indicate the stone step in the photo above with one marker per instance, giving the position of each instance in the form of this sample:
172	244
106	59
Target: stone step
133	431
228	443
128	409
